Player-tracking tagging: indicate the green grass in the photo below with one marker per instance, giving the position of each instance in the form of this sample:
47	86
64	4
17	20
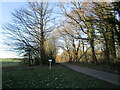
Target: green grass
9	62
42	77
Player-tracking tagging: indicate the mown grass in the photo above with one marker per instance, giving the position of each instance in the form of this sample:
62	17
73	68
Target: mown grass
42	77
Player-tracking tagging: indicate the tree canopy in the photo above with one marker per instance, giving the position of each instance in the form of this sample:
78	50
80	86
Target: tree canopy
88	32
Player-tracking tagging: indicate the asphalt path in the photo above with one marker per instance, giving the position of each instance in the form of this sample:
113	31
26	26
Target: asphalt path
106	76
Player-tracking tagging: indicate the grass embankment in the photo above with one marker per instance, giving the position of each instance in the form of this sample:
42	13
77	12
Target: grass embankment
42	77
112	68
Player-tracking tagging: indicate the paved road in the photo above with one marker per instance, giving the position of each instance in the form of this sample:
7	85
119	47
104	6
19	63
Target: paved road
109	77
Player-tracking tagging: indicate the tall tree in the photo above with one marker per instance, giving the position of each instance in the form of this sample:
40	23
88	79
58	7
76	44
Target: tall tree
78	16
103	15
116	19
31	26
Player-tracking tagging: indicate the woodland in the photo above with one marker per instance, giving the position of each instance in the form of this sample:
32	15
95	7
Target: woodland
79	32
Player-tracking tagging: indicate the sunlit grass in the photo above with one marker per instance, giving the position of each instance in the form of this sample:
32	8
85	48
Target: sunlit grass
9	62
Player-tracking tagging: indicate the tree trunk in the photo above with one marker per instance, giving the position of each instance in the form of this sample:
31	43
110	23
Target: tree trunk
107	53
86	59
42	54
42	51
93	51
70	58
112	46
29	58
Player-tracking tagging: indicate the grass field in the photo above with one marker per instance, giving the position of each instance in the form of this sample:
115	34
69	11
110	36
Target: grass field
42	77
9	62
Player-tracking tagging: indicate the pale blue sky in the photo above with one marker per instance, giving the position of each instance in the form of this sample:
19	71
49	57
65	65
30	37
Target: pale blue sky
8	7
5	17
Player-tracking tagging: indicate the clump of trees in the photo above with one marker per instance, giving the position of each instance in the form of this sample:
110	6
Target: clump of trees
89	32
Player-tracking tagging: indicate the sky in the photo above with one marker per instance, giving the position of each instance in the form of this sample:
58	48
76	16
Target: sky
5	17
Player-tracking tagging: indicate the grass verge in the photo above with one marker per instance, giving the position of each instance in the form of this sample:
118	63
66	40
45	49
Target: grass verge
101	67
42	77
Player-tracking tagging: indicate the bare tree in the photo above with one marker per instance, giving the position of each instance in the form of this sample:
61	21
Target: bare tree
31	27
78	16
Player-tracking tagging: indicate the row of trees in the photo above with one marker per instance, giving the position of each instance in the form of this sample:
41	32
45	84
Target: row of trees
89	31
